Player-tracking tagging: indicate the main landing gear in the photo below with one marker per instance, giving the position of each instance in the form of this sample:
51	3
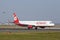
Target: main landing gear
36	28
30	27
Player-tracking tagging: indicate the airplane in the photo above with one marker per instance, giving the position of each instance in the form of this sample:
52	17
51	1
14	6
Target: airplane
31	24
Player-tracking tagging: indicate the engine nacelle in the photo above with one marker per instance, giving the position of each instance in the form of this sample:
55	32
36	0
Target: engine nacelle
29	26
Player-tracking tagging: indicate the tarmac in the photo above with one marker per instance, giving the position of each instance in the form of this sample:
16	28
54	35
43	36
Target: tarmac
24	29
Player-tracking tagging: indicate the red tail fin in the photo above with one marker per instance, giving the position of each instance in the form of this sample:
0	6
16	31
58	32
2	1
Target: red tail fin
16	20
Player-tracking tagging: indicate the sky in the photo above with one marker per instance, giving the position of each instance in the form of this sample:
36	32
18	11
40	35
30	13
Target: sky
28	10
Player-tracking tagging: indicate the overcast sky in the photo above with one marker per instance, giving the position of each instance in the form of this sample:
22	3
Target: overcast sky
30	10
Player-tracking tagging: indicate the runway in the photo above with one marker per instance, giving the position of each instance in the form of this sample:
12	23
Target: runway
24	29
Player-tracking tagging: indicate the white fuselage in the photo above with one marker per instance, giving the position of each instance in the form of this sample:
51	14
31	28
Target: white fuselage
37	23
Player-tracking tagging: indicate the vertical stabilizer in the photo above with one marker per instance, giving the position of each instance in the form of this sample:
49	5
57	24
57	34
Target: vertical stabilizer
16	20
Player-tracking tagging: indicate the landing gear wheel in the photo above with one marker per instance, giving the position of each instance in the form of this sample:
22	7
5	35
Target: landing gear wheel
36	28
28	28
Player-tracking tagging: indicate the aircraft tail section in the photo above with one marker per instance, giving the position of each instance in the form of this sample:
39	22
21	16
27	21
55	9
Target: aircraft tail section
16	20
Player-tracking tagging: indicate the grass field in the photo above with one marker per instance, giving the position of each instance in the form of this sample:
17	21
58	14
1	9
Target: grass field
47	35
30	36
